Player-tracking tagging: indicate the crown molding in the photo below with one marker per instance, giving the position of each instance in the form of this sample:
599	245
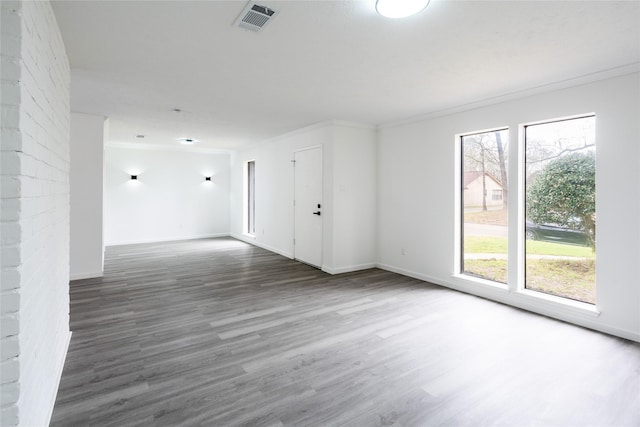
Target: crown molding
511	96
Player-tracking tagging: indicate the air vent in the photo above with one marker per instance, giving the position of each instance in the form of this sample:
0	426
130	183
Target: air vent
254	17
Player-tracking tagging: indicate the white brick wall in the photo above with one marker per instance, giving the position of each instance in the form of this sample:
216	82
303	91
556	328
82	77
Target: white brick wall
34	215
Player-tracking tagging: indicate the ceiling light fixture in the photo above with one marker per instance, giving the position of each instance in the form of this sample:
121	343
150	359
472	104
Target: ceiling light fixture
187	141
400	8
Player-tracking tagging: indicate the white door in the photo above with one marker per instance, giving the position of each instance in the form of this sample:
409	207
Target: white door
308	206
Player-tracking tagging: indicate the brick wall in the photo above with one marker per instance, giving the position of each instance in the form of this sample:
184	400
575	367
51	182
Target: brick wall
34	302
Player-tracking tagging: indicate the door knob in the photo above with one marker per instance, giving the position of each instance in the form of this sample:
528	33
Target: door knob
317	213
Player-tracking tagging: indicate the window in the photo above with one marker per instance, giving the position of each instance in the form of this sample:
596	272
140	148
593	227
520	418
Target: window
250	198
556	190
484	229
560	208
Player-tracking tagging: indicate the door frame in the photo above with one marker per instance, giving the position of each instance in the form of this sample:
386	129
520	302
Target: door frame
293	195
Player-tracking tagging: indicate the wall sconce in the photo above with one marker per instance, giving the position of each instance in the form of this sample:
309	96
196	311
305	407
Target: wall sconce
134	177
207	178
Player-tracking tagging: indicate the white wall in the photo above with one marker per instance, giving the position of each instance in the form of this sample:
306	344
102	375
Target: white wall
35	212
417	197
354	198
86	179
170	200
348	206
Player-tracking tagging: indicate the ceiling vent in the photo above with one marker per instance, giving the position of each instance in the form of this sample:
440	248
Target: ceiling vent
254	17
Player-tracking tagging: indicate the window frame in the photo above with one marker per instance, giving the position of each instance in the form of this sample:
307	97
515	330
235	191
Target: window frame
249	199
522	192
514	291
459	223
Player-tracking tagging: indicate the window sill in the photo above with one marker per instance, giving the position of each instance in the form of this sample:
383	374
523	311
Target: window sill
480	281
572	305
532	299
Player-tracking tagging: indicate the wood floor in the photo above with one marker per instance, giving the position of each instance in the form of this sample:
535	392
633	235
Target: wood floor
219	333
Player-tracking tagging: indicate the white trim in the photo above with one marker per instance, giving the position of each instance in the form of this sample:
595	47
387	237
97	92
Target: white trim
254	242
553	120
293	204
348	269
480	281
569	304
167	239
86	275
160	147
408	273
519	252
245	197
458	191
59	377
516	237
458	209
562	84
478	132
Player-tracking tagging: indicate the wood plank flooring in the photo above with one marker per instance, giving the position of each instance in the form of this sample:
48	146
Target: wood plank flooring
216	332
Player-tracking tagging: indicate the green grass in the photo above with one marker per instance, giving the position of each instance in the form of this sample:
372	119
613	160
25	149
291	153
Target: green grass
575	279
491	269
498	245
568	278
564	278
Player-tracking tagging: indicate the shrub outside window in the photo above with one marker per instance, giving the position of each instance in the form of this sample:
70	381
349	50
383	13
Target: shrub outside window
560	208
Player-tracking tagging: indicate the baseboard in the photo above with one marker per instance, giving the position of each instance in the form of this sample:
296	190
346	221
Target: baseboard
80	276
407	273
515	300
252	241
167	239
59	377
348	269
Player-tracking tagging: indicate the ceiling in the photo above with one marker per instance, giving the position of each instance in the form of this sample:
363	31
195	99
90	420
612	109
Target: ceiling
137	61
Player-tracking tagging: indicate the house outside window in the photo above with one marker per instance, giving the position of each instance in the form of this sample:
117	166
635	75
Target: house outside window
484	222
555	255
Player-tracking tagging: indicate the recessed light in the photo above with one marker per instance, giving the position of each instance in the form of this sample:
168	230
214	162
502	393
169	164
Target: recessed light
176	110
400	8
187	141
